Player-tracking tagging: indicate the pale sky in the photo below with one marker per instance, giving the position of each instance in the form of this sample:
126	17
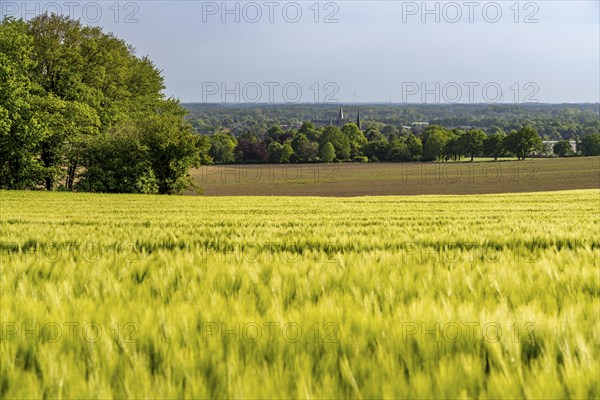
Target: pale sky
376	50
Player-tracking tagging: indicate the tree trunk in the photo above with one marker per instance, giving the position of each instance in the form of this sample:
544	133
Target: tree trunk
71	175
46	158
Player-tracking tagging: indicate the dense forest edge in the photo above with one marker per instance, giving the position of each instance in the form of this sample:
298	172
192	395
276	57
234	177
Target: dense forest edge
80	111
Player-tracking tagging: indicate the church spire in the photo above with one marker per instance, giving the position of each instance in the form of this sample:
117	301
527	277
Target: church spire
340	116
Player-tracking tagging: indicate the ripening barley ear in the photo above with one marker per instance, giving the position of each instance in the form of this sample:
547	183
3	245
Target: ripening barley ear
26	359
5	380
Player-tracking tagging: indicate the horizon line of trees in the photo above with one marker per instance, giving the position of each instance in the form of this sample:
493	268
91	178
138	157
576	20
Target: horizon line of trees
552	122
435	143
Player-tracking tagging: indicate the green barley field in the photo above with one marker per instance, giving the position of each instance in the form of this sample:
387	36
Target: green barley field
473	296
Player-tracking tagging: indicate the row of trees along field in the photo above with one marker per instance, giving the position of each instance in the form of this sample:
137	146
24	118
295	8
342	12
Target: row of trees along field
79	111
330	143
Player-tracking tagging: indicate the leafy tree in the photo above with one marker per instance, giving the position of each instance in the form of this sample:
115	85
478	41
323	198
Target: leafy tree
66	125
274	150
494	129
435	138
415	146
249	150
390	130
454	148
355	137
286	153
222	148
546	150
67	72
203	145
399	151
590	145
563	148
494	144
21	133
304	149
64	85
249	136
373	134
523	142
274	133
339	141
173	150
118	162
377	150
280	153
327	153
429	130
308	129
471	142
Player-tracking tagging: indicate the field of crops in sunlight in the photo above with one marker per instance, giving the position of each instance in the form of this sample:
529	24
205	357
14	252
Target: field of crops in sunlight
477	296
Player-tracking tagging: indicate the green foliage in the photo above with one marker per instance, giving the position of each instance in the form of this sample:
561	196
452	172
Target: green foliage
172	149
590	145
390	130
415	146
552	121
494	144
280	153
308	129
355	137
21	133
471	142
563	148
435	138
399	151
274	132
64	85
222	147
304	149
377	150
203	145
66	125
361	159
454	147
327	153
118	162
340	142
523	142
373	134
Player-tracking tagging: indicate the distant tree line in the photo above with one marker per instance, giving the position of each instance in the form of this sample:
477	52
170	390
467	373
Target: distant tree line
551	121
349	143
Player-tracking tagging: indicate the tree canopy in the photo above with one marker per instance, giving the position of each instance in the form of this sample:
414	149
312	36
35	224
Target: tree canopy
80	111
